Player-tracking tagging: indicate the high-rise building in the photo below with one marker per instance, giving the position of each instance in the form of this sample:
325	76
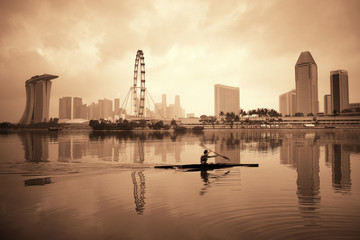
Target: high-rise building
306	78
94	111
339	90
116	106
178	110
84	112
105	108
77	103
65	108
227	99
38	90
287	103
170	111
327	104
164	106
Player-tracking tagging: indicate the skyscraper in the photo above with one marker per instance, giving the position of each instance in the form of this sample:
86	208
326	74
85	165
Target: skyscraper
306	78
327	104
38	90
339	90
105	108
77	103
170	111
116	106
65	108
287	103
178	110
164	106
227	99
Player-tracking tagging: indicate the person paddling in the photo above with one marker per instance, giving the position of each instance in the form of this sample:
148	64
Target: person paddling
205	156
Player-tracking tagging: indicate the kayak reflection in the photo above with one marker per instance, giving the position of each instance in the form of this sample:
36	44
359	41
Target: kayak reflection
210	178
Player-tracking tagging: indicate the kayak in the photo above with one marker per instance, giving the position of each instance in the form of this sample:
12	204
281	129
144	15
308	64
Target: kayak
208	166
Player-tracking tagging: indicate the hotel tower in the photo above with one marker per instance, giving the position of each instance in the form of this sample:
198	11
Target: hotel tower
227	99
37	99
306	79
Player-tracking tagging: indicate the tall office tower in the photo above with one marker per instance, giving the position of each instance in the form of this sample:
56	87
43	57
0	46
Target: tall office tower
287	103
178	110
77	103
84	112
105	108
306	78
339	90
94	111
227	99
164	106
38	90
170	111
65	108
116	106
327	104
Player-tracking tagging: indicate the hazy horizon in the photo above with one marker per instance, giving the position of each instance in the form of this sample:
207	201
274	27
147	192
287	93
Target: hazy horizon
188	47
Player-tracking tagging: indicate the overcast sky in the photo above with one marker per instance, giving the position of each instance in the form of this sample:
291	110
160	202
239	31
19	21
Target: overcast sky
188	46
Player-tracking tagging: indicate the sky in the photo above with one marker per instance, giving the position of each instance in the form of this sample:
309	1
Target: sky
189	46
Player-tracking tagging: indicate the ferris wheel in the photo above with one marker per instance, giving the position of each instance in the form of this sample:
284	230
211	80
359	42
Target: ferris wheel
139	103
138	100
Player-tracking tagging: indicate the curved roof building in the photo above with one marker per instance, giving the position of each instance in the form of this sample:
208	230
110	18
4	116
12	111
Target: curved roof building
38	90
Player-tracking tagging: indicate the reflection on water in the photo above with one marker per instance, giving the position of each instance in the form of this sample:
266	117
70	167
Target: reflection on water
37	181
36	147
301	151
209	179
306	185
339	161
139	191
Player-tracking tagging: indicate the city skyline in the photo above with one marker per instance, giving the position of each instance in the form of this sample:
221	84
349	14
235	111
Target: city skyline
251	45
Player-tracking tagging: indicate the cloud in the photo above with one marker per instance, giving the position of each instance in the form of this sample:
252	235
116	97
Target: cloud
189	46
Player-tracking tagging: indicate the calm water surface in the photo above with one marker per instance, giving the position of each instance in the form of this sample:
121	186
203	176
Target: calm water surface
103	185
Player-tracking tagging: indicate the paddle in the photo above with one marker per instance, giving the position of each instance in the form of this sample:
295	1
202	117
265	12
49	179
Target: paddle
225	157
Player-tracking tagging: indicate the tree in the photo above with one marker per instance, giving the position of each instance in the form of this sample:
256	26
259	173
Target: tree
242	112
142	123
237	119
212	121
310	115
158	125
173	123
229	118
299	114
203	119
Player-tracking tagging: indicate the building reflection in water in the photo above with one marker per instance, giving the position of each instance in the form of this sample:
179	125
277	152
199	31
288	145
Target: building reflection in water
339	161
301	152
64	146
230	143
227	144
139	191
133	147
36	147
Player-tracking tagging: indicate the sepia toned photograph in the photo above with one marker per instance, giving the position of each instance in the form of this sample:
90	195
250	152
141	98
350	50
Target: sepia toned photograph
165	119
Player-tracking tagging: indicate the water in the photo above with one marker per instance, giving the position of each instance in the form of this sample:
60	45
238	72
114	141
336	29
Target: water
83	185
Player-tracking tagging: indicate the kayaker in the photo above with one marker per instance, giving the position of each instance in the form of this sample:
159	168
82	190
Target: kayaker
205	156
